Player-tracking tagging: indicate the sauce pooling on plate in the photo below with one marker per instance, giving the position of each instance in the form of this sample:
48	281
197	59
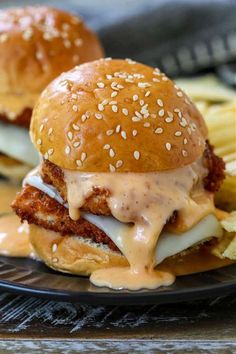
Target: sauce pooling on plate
14	237
141	207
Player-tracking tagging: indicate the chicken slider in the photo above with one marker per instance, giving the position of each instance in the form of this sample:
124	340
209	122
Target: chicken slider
36	45
125	189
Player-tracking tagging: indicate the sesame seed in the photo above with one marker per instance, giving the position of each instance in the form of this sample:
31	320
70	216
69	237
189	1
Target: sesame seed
164	78
70	135
114	94
54	247
141	102
147	93
67	150
78	163
110	132
119	163
168	146
27	34
147	124
74	96
67	43
134	132
104	102
83	156
187	101
98	116
118	127
185	141
159	131
136	119
46	156
106	147
169	119
100	84
143	84
184	153
176	110
139	115
114	108
112	168
75	108
160	102
109	77
178	133
111	153
100	107
55	260
189	131
136	155
180	94
50	152
161	112
183	122
39	142
41	128
84	117
125	111
3	37
50	131
75	127
78	42
76	144
123	134
135	98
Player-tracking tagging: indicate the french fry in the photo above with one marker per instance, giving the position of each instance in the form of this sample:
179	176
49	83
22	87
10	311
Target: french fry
217	103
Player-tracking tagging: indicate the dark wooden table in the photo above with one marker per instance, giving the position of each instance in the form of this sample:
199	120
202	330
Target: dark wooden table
31	325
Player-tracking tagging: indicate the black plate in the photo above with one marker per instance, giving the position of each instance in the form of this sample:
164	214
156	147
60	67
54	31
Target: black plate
28	277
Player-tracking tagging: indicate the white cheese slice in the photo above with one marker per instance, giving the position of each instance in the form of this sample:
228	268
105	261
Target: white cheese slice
15	142
168	244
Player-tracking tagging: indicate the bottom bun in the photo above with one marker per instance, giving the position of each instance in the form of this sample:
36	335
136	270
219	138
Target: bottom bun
77	255
13	169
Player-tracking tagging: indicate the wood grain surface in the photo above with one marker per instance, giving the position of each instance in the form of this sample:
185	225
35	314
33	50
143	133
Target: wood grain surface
31	325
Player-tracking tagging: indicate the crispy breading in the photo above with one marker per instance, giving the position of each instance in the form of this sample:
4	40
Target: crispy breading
95	204
215	166
22	119
37	208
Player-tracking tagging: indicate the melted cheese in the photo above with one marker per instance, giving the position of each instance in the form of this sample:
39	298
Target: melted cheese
13	105
139	215
15	142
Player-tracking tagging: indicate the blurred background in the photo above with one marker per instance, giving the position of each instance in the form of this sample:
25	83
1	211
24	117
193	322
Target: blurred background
182	37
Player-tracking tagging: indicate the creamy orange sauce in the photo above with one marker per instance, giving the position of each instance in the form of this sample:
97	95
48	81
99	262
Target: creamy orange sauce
7	194
147	200
13	105
14	237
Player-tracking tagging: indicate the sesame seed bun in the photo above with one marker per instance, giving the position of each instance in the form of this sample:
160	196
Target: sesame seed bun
37	44
117	115
77	255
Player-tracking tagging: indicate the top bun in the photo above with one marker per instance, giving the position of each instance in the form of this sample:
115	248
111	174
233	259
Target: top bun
37	44
117	115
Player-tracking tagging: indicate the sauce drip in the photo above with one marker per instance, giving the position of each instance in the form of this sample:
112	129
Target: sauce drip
147	200
14	237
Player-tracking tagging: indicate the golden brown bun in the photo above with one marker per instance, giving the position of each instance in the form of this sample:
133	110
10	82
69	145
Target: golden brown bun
37	44
81	256
13	169
117	115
